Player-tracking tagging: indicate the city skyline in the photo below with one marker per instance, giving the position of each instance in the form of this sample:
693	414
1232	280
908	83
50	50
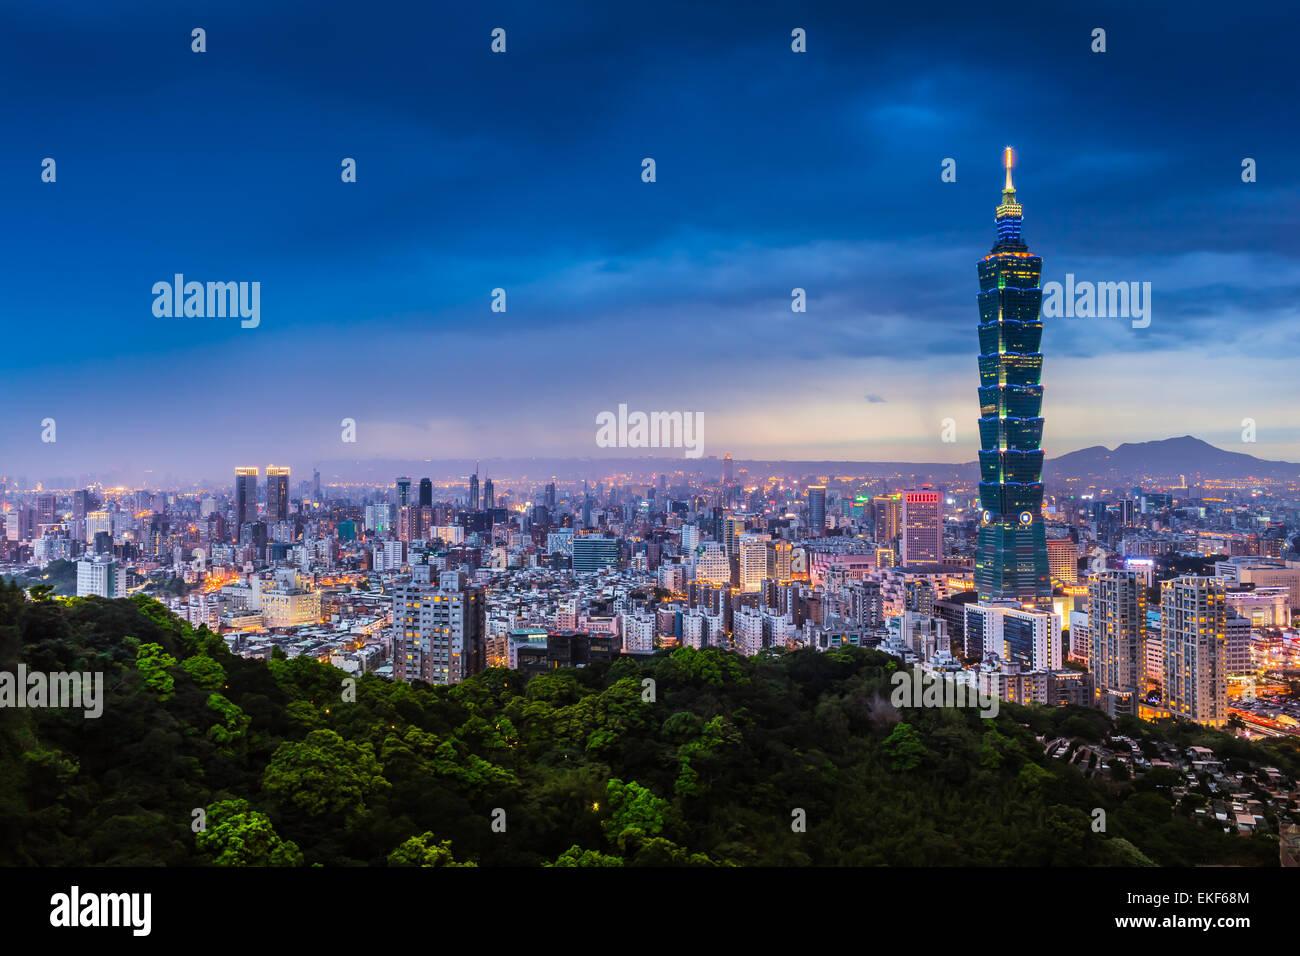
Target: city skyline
368	287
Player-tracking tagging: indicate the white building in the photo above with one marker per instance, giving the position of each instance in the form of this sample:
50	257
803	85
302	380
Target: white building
107	579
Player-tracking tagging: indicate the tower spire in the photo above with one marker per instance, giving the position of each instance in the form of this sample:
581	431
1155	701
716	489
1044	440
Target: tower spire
1009	160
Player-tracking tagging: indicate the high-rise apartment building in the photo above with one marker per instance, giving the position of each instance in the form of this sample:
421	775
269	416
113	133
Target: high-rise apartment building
1117	632
753	561
438	634
1011	555
1193	629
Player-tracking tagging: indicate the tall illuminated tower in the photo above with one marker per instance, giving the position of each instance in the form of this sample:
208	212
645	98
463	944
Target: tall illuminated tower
277	493
245	497
1011	562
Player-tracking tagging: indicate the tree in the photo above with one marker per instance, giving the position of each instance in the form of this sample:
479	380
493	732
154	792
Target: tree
237	835
324	774
903	748
576	856
153	662
424	850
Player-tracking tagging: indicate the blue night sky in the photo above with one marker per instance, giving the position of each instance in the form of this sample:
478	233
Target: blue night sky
775	170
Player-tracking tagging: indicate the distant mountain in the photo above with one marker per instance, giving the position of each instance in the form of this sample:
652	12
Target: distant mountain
1172	456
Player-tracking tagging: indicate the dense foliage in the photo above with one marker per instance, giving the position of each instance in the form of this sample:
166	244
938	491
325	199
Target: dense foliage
779	760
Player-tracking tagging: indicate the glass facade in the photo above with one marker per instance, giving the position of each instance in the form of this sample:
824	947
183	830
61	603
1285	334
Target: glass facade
1011	562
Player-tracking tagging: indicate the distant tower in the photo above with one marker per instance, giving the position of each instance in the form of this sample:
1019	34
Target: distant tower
245	497
426	493
728	469
817	510
489	495
277	493
315	485
403	491
550	496
473	489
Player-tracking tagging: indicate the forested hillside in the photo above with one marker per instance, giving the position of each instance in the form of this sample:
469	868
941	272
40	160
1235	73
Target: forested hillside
586	768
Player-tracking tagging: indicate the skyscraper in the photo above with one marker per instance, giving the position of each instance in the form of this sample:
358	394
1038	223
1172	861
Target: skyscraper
489	494
1011	558
245	498
817	510
403	491
922	528
426	493
315	485
473	491
277	493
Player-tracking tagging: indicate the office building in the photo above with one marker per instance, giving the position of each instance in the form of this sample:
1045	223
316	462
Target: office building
1030	638
922	540
592	553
